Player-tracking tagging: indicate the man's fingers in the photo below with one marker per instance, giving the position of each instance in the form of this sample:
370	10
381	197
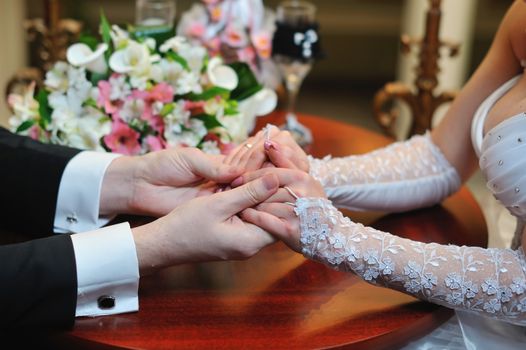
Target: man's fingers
279	210
212	169
246	196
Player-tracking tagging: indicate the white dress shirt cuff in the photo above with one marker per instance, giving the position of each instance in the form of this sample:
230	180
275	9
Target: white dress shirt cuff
79	193
107	271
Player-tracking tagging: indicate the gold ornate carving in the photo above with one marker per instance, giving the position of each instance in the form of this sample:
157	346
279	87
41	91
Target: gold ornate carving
421	99
52	36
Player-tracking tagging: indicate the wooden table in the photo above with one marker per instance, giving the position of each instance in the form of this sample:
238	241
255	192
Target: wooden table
279	300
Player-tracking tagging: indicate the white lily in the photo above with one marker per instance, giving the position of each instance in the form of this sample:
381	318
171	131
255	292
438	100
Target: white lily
119	37
81	55
221	75
263	102
25	107
134	58
57	77
176	44
259	104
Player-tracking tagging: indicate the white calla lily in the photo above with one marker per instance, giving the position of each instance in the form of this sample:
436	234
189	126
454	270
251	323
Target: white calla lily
265	101
221	75
134	57
81	55
261	103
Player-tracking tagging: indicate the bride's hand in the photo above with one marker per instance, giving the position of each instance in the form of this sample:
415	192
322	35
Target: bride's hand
280	149
276	215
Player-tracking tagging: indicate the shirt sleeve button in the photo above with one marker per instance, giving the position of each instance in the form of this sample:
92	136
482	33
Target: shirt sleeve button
106	302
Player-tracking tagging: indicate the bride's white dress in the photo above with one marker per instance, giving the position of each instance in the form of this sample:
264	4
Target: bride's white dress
487	287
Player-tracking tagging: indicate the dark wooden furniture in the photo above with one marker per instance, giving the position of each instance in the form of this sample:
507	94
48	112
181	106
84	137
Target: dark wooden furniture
278	299
421	98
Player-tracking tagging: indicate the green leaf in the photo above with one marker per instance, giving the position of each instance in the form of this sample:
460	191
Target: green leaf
25	125
231	111
43	108
90	103
209	120
105	29
208	94
179	59
248	84
89	40
96	77
167	109
231	107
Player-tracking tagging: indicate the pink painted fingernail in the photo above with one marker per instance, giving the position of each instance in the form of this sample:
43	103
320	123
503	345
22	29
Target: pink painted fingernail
237	182
268	145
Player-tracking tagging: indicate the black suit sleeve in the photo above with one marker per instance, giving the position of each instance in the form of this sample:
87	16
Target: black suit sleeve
38	283
30	174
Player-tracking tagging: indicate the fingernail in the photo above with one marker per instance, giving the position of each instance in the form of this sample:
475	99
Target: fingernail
269	182
268	145
237	181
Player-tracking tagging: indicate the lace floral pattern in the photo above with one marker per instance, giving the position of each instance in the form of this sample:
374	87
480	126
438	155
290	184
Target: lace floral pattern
491	281
415	158
402	176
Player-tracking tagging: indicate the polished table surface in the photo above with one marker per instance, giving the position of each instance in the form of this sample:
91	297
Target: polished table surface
280	300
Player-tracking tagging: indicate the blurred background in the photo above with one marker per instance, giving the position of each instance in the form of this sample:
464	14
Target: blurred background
361	39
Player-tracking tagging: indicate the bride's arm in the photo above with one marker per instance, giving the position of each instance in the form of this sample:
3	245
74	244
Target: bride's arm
490	282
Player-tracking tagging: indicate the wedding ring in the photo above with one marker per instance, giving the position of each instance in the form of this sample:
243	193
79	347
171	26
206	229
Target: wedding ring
291	204
291	192
248	145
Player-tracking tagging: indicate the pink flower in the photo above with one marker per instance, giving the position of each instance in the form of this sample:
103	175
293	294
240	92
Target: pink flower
157	123
235	36
215	11
263	43
214	45
104	100
161	92
154	143
247	55
123	139
189	105
196	30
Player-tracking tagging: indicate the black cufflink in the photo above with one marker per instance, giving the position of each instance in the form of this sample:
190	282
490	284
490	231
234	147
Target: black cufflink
106	302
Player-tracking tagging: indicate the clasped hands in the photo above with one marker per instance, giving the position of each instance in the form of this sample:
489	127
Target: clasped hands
226	207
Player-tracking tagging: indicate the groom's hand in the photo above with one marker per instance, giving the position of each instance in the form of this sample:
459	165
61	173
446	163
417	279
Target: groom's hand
205	229
155	183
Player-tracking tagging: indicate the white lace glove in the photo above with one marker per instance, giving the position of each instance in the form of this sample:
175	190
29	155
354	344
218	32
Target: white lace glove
402	176
490	282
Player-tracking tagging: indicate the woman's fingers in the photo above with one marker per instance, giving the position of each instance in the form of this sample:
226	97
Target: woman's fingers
279	156
285	176
282	196
285	229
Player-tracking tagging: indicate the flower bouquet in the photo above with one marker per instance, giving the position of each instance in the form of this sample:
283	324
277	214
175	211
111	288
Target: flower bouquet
239	30
132	95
